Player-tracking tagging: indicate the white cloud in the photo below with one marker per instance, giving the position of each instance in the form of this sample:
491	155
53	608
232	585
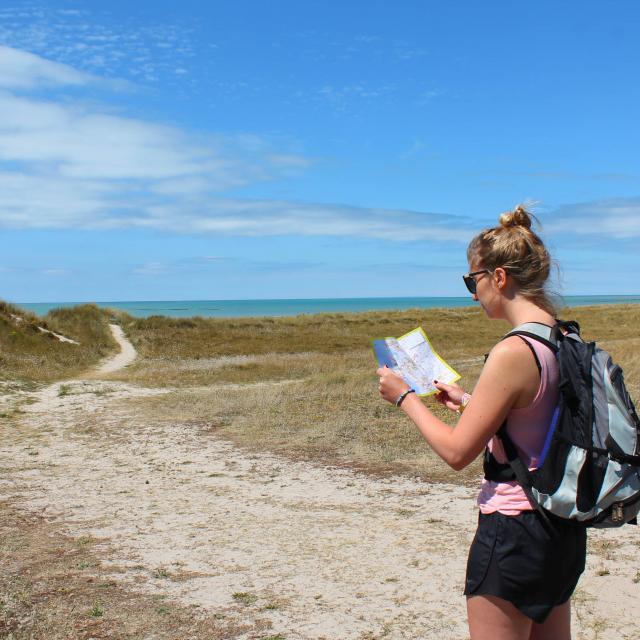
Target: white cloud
289	161
344	97
24	70
73	165
276	217
617	218
56	273
151	269
68	163
78	143
94	43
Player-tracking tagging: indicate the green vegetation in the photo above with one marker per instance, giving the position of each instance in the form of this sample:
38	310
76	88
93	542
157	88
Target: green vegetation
96	610
161	572
245	598
29	354
64	390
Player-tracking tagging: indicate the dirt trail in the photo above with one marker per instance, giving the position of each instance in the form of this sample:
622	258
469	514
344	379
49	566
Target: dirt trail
126	356
319	552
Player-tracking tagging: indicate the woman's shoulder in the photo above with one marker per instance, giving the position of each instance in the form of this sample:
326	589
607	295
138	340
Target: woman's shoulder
512	358
518	347
512	347
512	361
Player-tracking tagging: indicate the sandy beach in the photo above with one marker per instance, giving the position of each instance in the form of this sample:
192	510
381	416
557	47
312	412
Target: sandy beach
304	550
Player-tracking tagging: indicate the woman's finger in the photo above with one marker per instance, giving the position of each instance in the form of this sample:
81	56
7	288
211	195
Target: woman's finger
442	386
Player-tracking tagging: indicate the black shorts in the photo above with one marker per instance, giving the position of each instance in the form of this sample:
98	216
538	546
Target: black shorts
518	559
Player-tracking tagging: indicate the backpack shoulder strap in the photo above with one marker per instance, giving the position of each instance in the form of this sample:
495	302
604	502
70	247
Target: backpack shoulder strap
542	333
548	336
523	478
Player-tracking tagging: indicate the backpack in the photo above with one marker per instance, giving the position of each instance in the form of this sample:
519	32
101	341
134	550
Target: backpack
589	468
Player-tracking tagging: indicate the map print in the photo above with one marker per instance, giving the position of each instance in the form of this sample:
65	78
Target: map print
413	358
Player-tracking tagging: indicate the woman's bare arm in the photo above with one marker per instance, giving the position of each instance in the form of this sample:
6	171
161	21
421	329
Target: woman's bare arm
508	375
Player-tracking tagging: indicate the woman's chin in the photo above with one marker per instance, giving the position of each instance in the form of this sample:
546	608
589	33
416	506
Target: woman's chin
489	312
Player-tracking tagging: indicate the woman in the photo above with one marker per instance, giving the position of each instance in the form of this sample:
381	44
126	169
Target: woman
520	574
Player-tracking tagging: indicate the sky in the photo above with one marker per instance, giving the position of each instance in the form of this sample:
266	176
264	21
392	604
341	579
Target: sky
243	149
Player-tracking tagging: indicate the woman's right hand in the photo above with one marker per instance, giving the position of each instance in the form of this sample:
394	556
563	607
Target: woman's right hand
449	395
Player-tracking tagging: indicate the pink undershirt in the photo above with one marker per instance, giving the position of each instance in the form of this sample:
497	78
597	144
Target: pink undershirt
528	429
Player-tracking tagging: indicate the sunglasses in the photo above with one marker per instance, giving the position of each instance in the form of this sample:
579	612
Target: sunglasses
470	280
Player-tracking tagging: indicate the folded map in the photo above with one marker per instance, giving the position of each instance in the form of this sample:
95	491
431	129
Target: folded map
413	358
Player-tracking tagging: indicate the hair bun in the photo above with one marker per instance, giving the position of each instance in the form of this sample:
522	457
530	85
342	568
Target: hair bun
519	217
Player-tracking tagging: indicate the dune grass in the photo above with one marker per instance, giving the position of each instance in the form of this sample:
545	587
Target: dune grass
186	352
306	386
321	333
302	386
28	354
201	344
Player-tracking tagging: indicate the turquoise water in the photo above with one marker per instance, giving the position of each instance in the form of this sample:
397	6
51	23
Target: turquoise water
253	308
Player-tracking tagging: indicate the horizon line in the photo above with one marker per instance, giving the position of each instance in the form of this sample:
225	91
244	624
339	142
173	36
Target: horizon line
77	302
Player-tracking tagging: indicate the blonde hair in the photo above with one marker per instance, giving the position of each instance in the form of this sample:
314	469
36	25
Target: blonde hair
513	246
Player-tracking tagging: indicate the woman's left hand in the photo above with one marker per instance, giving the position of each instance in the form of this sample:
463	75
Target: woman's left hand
392	386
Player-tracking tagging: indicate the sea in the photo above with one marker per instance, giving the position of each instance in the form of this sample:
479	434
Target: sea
294	307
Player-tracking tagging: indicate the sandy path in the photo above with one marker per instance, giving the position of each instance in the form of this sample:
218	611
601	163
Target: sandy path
319	552
126	356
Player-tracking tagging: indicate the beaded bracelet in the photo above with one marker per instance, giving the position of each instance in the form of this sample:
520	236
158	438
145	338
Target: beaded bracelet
402	396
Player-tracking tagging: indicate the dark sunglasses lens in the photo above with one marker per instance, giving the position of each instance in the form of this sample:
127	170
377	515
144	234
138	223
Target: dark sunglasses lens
471	283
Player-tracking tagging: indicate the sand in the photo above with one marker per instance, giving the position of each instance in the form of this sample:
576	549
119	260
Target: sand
320	552
123	359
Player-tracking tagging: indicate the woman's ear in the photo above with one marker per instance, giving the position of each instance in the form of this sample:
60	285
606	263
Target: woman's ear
500	277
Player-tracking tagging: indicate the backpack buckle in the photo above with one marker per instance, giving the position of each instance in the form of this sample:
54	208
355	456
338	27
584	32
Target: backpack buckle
617	512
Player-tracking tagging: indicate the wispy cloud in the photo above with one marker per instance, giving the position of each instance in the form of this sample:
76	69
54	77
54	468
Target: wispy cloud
617	218
280	217
76	142
98	46
24	70
152	269
563	175
74	165
68	163
342	98
56	273
406	51
220	266
363	46
416	147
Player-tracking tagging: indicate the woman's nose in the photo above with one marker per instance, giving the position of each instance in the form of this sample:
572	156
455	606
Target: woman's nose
474	297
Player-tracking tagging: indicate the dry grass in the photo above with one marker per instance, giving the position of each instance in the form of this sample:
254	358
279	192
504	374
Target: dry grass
28	354
306	387
54	588
199	351
322	333
302	387
334	415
